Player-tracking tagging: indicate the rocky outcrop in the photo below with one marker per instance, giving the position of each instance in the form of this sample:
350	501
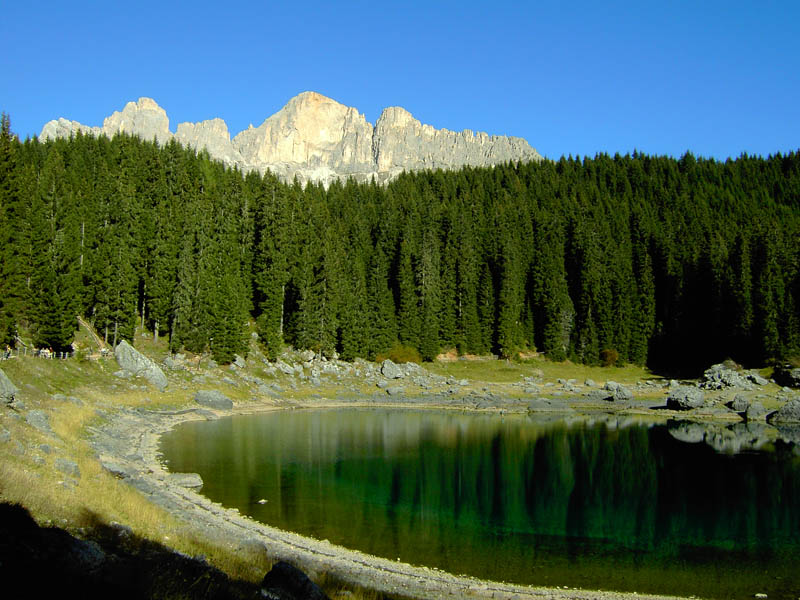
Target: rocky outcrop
213	399
137	364
7	389
316	139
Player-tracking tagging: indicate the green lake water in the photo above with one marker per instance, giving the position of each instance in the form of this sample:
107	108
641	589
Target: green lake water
513	499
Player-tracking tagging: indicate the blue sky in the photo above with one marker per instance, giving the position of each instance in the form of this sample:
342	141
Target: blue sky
716	78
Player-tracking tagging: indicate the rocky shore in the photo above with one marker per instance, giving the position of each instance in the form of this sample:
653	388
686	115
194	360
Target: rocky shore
729	409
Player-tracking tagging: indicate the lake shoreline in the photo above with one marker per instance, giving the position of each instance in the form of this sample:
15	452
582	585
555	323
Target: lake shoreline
141	430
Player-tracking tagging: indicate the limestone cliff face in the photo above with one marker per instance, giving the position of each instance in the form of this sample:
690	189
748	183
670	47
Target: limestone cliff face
213	136
144	118
312	136
316	139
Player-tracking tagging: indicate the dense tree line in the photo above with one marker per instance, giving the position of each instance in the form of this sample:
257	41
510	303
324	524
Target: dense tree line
671	263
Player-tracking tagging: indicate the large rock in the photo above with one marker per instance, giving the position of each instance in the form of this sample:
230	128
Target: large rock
788	413
285	582
136	363
390	370
617	391
685	398
213	399
8	390
315	138
722	376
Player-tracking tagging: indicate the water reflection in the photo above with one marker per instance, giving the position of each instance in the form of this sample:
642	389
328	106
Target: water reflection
516	499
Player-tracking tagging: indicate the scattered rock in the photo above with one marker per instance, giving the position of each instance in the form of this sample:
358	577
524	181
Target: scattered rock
284	368
395	390
115	468
39	420
213	399
5	436
135	362
239	361
285	582
685	398
590	383
599	396
173	363
186	480
68	467
722	376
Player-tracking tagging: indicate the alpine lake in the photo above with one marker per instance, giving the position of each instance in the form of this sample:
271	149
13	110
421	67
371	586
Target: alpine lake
517	498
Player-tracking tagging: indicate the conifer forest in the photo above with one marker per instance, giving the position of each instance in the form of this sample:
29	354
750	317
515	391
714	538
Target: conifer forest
670	263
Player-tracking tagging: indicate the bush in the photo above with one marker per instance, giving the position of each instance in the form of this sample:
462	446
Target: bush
609	357
400	354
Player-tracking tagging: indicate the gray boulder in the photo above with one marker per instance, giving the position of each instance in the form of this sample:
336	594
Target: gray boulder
788	413
213	399
395	390
739	404
391	371
617	391
755	411
133	361
7	389
239	361
685	398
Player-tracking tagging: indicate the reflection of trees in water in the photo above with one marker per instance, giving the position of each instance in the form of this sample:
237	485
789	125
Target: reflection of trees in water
452	484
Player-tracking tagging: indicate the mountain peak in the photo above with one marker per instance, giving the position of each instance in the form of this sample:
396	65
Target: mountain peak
316	138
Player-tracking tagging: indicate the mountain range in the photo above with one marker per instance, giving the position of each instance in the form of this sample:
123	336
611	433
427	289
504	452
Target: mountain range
315	138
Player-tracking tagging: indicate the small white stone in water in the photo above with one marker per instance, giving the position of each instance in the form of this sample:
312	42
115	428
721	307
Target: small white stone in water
760	595
262	501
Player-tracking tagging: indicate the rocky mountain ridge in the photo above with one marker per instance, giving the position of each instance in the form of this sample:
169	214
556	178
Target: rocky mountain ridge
316	139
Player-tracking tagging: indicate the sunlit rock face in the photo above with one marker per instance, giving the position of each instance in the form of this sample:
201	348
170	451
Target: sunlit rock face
314	138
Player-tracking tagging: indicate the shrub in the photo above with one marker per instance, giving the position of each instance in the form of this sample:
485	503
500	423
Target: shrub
609	357
400	353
